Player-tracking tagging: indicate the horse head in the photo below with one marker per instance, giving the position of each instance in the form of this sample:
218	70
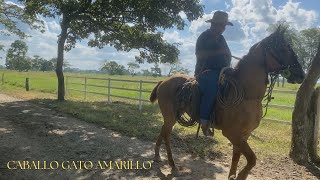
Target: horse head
280	57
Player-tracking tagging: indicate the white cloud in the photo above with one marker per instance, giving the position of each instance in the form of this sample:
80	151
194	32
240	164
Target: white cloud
53	26
298	17
199	25
172	37
251	18
255	16
183	15
13	3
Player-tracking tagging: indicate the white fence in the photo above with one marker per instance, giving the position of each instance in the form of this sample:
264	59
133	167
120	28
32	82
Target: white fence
109	87
108	94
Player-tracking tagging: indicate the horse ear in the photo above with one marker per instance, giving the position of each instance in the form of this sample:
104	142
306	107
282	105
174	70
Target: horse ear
283	29
278	29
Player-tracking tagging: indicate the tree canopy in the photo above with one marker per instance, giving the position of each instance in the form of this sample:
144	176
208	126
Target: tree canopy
16	58
125	25
306	46
113	68
132	66
10	15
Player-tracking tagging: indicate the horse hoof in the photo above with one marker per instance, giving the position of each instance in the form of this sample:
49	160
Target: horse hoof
157	159
175	172
233	177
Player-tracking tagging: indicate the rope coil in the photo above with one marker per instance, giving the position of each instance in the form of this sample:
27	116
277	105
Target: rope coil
231	85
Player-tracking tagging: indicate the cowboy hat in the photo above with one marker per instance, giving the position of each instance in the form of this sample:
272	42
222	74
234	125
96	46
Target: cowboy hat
220	17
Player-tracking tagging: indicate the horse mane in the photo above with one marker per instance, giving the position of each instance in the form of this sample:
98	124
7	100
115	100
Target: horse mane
245	58
270	41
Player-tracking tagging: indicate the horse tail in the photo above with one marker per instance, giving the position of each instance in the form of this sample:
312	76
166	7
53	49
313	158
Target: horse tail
153	96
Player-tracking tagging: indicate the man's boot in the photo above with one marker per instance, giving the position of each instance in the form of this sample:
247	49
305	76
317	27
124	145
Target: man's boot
206	130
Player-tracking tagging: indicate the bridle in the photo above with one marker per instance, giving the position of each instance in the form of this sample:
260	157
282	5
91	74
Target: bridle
284	70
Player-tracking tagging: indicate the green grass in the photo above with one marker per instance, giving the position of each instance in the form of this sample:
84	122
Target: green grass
269	139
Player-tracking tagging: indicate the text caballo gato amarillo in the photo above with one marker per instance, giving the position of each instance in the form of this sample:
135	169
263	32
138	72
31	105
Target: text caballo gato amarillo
87	165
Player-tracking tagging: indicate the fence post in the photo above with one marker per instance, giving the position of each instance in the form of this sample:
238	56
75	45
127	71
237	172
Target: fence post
316	123
66	86
2	78
85	88
108	90
140	96
27	84
282	81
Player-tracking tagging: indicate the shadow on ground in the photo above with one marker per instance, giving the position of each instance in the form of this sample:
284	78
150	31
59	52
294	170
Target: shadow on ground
38	133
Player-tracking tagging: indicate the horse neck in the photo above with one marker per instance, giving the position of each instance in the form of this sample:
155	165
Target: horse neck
252	77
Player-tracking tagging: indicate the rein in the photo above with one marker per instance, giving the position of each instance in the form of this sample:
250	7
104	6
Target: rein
268	97
239	94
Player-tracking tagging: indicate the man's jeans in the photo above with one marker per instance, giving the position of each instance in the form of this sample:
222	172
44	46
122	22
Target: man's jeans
208	81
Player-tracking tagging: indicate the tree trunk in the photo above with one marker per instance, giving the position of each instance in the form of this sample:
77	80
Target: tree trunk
59	69
301	126
313	143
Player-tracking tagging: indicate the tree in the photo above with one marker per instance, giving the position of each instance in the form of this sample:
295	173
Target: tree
125	25
303	115
146	72
66	64
305	46
156	71
10	15
178	68
36	63
47	65
113	68
16	58
132	66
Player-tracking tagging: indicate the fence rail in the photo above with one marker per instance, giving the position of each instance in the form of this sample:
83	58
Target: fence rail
140	90
109	87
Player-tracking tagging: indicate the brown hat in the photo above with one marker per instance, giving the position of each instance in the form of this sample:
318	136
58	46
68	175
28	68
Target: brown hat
220	17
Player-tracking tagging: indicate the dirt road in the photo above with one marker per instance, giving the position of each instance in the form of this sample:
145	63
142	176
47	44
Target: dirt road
40	143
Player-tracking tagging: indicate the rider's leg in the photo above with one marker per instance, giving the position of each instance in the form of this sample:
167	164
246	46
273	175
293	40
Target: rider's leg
208	82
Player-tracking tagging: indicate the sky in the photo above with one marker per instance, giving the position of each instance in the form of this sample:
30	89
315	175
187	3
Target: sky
251	18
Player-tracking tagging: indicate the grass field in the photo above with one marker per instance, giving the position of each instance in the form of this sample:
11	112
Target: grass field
269	139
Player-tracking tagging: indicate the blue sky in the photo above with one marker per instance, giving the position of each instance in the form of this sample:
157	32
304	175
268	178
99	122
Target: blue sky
251	18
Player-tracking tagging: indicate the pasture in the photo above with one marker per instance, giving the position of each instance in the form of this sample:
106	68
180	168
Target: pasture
269	139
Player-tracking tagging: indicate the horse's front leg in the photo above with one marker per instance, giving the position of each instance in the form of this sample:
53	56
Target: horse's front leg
235	160
251	159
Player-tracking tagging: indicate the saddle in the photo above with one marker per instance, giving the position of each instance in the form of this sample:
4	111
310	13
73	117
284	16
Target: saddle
188	98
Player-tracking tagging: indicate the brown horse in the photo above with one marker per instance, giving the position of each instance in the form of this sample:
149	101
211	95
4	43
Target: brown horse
271	55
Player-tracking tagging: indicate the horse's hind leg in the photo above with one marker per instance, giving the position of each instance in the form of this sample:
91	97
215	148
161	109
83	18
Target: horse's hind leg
235	160
167	139
157	157
169	120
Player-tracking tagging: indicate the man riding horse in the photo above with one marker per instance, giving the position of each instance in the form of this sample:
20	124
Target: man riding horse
212	54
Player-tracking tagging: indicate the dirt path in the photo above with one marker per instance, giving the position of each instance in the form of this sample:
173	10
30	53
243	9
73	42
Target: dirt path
30	133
